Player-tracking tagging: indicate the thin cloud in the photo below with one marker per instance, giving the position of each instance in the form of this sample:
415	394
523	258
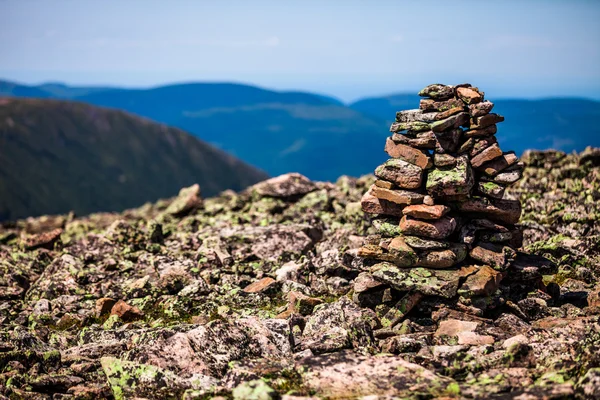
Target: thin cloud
522	41
272	41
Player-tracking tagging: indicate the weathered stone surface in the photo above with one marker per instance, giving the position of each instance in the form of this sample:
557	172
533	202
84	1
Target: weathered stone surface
486	121
261	285
489	154
498	165
434	229
336	326
452	327
301	303
426	212
349	375
455	254
409	154
443	183
413	127
398	196
469	95
394	250
430	105
444	160
125	311
474	132
422	140
404	174
509	175
506	211
425	244
497	256
387	227
384	184
445	114
430	282
437	91
373	205
481	109
452	122
484	282
482	143
284	186
135	380
104	305
365	281
187	200
491	189
448	141
415	115
44	240
399	310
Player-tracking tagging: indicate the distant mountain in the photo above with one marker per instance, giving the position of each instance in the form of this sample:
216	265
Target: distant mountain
317	135
276	131
57	156
562	123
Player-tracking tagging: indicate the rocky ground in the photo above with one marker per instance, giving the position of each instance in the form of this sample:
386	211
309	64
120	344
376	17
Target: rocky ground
260	295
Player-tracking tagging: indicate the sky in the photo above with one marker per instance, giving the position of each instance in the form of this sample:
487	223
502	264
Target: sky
344	48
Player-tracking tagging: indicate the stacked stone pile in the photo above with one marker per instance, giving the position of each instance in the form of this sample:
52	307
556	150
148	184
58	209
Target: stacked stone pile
439	200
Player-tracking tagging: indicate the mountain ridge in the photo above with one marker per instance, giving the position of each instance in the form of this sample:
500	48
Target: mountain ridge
62	155
316	135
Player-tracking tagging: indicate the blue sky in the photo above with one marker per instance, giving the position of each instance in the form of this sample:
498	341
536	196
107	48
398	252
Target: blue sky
348	49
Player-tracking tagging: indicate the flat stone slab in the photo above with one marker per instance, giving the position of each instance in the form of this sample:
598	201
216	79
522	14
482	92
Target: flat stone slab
455	181
404	174
284	186
430	282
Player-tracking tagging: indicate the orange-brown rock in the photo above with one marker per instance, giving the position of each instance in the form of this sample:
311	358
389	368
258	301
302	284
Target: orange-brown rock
505	211
125	311
384	184
409	154
373	205
402	197
423	140
498	165
261	285
495	255
104	305
44	240
435	229
301	303
426	212
480	109
469	95
486	155
490	130
484	282
485	121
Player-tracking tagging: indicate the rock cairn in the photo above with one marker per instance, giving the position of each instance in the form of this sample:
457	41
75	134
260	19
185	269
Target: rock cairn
439	200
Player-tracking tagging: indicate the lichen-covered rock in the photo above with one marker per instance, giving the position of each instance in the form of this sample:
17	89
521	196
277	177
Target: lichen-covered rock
437	91
284	186
187	199
339	325
349	375
430	282
403	174
457	181
434	229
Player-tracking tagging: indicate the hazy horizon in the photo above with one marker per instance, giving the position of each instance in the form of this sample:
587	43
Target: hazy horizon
519	49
